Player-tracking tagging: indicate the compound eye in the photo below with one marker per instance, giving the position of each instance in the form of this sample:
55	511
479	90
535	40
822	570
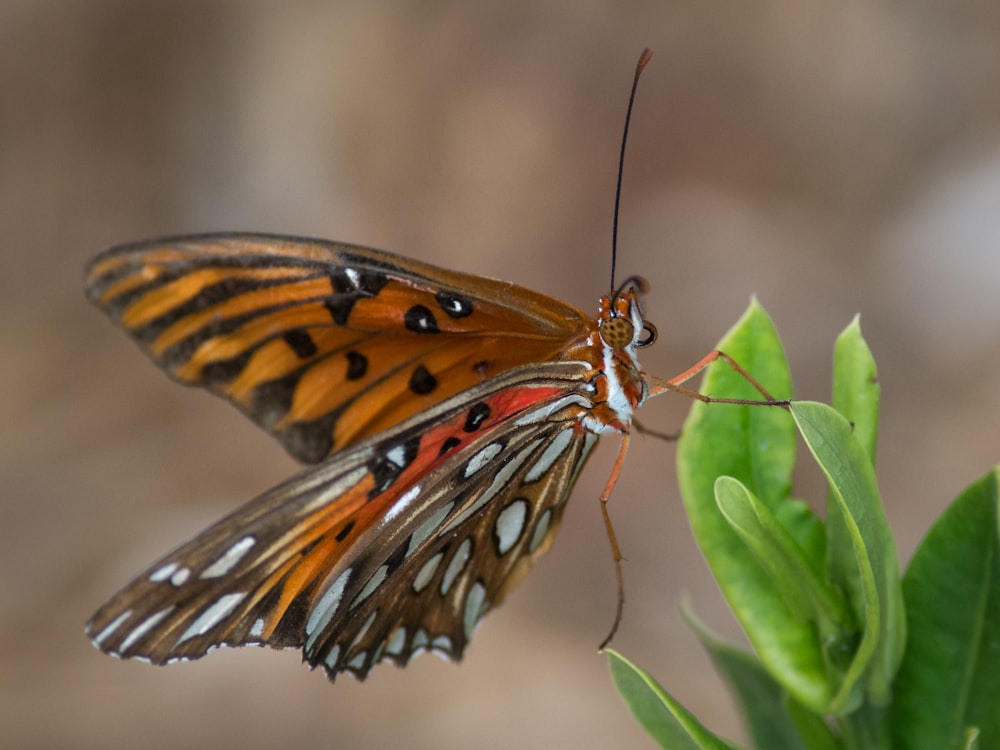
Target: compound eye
617	332
650	336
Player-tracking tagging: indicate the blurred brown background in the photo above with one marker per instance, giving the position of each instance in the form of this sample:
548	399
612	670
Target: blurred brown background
831	157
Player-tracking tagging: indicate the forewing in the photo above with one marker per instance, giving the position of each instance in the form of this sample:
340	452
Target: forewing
322	344
338	559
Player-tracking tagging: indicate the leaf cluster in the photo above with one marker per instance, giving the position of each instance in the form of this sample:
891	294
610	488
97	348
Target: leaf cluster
847	652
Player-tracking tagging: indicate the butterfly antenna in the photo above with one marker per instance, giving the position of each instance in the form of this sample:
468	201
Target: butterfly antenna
643	59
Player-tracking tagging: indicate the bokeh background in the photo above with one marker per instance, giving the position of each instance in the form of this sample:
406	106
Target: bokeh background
830	157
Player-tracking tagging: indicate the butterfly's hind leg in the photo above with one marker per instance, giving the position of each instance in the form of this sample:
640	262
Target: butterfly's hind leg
616	552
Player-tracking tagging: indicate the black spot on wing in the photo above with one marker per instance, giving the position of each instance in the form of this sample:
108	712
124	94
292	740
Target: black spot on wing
476	416
312	545
420	320
449	444
348	528
421	381
340	308
357	365
224	370
300	342
455	305
389	462
348	287
310	441
397	557
360	283
271	400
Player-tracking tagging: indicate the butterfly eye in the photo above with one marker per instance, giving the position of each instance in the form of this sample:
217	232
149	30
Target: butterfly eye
617	332
650	336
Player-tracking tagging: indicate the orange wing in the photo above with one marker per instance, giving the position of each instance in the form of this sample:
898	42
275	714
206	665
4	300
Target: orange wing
323	344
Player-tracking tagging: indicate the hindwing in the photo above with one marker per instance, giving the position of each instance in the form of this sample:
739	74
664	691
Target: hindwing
393	546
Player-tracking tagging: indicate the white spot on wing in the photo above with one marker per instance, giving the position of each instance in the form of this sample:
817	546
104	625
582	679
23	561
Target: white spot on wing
541	528
427	572
211	616
544	412
332	657
475	607
325	608
589	441
478	461
402	504
428	527
354	276
363	630
163	573
456	565
178	578
258	628
111	627
229	558
419	643
500	481
441	644
144	627
397	455
394	646
549	456
358	662
510	524
373	583
330	493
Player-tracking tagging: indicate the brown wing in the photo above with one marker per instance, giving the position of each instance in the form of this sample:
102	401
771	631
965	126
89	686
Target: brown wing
396	545
322	344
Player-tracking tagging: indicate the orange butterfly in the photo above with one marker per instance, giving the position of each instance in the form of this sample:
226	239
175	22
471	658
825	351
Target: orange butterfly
447	415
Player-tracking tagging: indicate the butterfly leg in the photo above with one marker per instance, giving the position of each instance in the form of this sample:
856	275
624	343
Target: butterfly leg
616	552
658	386
669	437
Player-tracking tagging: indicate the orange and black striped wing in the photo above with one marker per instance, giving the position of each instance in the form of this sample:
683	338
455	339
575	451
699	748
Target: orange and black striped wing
395	546
320	343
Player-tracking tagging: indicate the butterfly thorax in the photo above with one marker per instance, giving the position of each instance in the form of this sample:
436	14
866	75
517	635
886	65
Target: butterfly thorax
619	386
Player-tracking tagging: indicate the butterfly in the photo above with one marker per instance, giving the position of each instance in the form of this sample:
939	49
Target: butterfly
446	418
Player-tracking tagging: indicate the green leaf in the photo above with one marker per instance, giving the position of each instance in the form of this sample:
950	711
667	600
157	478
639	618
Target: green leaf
755	445
807	598
808	531
856	392
761	700
856	397
666	720
871	556
950	678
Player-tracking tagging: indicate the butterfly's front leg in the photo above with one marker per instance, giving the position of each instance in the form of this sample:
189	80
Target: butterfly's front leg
658	385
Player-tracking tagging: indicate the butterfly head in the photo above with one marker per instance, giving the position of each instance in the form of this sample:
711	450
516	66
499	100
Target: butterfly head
620	320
